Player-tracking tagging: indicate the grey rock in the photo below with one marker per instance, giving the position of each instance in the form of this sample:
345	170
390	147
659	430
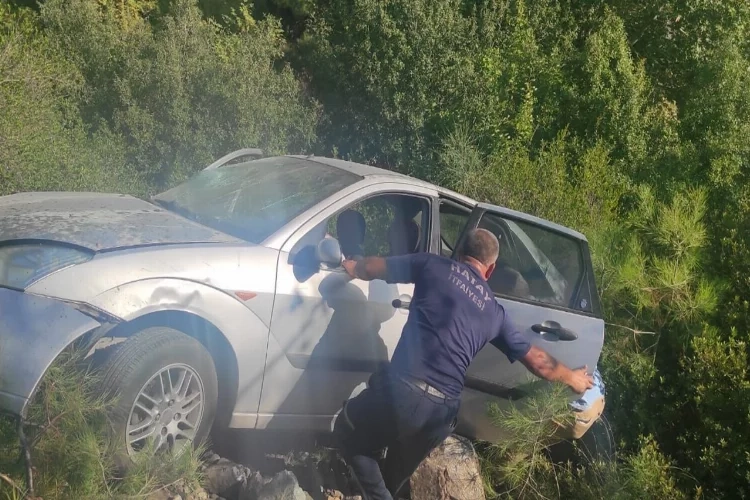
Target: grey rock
283	486
252	486
224	475
450	472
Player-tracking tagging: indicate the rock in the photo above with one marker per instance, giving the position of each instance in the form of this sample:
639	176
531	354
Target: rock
176	497
225	476
283	486
451	472
252	486
211	458
200	495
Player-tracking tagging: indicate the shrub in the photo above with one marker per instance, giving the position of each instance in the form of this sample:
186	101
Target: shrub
184	91
45	144
71	447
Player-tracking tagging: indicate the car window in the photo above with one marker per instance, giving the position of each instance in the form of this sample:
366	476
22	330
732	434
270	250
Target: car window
253	200
535	263
393	225
453	218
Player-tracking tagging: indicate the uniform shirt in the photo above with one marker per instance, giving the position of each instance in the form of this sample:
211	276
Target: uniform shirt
453	315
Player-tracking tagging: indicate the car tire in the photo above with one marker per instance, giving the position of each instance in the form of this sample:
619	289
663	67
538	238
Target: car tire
597	445
166	390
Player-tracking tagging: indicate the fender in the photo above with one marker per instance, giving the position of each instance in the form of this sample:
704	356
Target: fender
242	328
34	330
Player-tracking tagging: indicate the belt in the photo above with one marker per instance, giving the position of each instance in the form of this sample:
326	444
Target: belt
424	387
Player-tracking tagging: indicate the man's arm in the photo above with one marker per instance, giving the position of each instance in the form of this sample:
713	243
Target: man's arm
545	366
400	269
368	269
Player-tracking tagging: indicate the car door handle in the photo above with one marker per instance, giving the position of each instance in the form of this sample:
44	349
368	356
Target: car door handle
556	329
403	302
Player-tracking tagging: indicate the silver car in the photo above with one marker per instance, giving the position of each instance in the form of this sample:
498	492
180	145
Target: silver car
216	304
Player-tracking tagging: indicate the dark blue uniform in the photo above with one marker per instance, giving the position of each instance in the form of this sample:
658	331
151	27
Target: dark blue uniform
410	407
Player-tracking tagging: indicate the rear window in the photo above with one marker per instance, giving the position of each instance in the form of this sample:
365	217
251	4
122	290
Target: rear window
538	264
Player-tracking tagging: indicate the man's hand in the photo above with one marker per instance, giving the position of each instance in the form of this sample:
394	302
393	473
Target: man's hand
350	267
579	380
545	366
369	268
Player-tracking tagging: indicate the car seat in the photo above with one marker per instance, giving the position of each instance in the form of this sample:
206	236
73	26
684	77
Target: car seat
350	230
403	236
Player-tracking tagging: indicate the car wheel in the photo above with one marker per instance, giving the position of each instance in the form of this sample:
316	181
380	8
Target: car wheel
166	393
597	445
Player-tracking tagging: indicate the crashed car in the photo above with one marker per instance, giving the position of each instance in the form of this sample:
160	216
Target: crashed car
215	303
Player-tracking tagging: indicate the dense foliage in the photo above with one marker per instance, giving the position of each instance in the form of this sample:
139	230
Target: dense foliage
67	432
627	120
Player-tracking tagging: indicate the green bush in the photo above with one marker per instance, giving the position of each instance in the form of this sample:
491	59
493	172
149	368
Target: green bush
44	144
521	467
71	446
182	92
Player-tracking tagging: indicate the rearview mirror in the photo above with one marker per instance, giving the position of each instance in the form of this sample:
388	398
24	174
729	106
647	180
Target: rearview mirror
328	252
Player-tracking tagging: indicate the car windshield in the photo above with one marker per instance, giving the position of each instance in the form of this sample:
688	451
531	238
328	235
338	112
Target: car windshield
253	200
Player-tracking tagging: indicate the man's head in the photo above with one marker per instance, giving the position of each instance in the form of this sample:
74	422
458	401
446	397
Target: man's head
480	249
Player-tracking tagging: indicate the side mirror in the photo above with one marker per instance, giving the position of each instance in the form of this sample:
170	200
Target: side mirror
328	252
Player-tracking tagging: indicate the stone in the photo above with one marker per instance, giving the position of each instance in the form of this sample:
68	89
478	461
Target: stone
450	472
283	486
201	494
176	497
224	476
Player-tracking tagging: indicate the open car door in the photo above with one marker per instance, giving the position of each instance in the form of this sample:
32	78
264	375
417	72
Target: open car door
545	282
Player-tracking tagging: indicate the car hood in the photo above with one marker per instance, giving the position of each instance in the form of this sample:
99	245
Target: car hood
97	221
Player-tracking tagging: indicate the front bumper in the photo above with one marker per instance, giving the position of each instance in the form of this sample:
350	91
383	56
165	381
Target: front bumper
33	332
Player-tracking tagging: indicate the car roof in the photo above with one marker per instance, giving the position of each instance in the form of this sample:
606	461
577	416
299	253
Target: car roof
350	166
368	171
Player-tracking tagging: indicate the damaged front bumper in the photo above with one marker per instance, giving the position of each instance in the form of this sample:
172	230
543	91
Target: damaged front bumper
33	332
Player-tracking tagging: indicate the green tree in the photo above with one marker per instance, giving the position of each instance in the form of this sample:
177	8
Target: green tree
185	91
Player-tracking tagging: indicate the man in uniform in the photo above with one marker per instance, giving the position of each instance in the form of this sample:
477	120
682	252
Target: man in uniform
410	407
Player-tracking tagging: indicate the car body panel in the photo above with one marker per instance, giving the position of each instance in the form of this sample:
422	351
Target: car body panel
242	328
33	332
97	221
229	267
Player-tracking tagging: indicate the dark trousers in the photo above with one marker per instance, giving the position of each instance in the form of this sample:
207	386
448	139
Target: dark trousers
396	415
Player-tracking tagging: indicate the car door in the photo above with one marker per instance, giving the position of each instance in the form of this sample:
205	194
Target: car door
544	280
329	332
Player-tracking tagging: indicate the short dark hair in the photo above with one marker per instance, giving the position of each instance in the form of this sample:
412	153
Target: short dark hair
481	245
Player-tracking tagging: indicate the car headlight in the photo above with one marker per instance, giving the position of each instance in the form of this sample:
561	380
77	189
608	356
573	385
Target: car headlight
23	264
